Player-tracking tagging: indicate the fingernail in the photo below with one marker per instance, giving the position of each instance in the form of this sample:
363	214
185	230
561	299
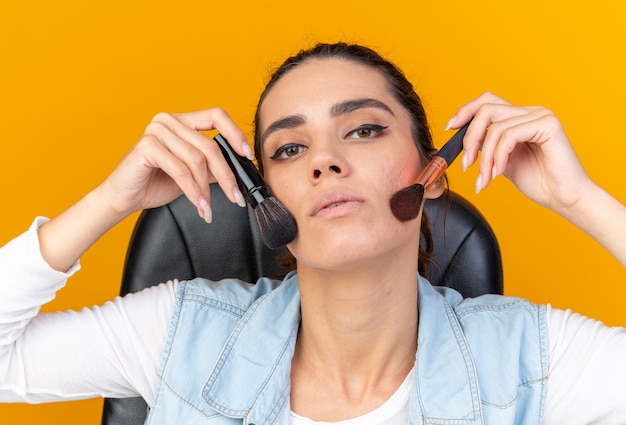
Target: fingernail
464	161
450	123
479	184
206	209
239	197
247	151
493	173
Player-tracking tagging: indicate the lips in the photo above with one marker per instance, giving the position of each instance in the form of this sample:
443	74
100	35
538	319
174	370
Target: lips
335	201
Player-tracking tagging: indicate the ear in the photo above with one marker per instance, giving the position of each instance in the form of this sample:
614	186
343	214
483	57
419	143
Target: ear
435	190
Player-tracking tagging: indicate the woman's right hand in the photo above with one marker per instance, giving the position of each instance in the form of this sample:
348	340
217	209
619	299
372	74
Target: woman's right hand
174	157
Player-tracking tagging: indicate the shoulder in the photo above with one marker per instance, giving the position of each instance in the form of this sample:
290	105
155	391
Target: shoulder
468	309
507	333
501	341
491	304
490	319
502	317
231	295
517	327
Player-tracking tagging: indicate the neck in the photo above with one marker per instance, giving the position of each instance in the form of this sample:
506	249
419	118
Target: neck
358	314
359	329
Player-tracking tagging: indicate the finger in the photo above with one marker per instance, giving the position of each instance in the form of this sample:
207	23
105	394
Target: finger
485	117
184	150
217	118
463	115
529	129
502	138
224	175
469	110
159	157
202	155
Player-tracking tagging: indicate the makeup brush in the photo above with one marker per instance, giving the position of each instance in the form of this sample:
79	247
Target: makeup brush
277	225
406	203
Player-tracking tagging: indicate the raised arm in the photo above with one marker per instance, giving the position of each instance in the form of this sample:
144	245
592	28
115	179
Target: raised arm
529	146
172	157
125	338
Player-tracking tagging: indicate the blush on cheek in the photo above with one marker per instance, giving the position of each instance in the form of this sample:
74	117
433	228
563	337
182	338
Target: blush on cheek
401	177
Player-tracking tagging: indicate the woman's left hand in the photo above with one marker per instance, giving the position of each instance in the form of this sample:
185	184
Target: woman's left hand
526	144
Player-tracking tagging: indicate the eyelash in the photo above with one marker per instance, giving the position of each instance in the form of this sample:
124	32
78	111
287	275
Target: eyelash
283	149
373	128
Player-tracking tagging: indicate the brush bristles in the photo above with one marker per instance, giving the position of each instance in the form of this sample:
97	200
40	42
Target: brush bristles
277	225
406	203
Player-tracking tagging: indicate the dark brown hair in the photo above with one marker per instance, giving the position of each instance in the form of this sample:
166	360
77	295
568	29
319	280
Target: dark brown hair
399	87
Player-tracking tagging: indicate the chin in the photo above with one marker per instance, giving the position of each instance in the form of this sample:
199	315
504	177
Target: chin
353	243
342	255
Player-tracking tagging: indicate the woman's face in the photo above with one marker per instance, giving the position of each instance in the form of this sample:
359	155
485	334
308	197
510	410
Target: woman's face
336	146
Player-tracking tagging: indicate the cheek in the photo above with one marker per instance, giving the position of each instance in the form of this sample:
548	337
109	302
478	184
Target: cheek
403	172
283	189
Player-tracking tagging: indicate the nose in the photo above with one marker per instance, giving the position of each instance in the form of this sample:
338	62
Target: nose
332	169
327	160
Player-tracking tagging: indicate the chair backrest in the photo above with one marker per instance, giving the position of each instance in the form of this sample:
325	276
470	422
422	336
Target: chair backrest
172	242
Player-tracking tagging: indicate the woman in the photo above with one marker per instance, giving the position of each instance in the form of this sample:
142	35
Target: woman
338	132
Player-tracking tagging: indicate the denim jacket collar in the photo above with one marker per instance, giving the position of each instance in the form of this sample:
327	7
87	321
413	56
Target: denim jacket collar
445	385
251	378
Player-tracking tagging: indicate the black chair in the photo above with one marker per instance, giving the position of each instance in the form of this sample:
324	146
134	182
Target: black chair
172	242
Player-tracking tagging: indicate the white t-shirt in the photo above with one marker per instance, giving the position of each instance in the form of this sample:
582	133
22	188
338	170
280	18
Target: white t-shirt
394	411
42	356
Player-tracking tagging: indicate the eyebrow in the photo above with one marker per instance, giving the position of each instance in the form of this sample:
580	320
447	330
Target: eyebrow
353	105
290	121
341	108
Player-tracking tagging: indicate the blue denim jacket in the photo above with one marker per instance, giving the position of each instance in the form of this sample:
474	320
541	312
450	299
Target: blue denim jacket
228	356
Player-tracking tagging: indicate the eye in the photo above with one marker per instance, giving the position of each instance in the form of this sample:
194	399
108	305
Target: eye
366	131
287	151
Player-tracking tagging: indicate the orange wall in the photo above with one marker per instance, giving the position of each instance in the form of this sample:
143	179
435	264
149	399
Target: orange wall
79	81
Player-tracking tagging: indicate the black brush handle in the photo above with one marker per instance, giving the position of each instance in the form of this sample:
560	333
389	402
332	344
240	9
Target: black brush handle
454	146
248	177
